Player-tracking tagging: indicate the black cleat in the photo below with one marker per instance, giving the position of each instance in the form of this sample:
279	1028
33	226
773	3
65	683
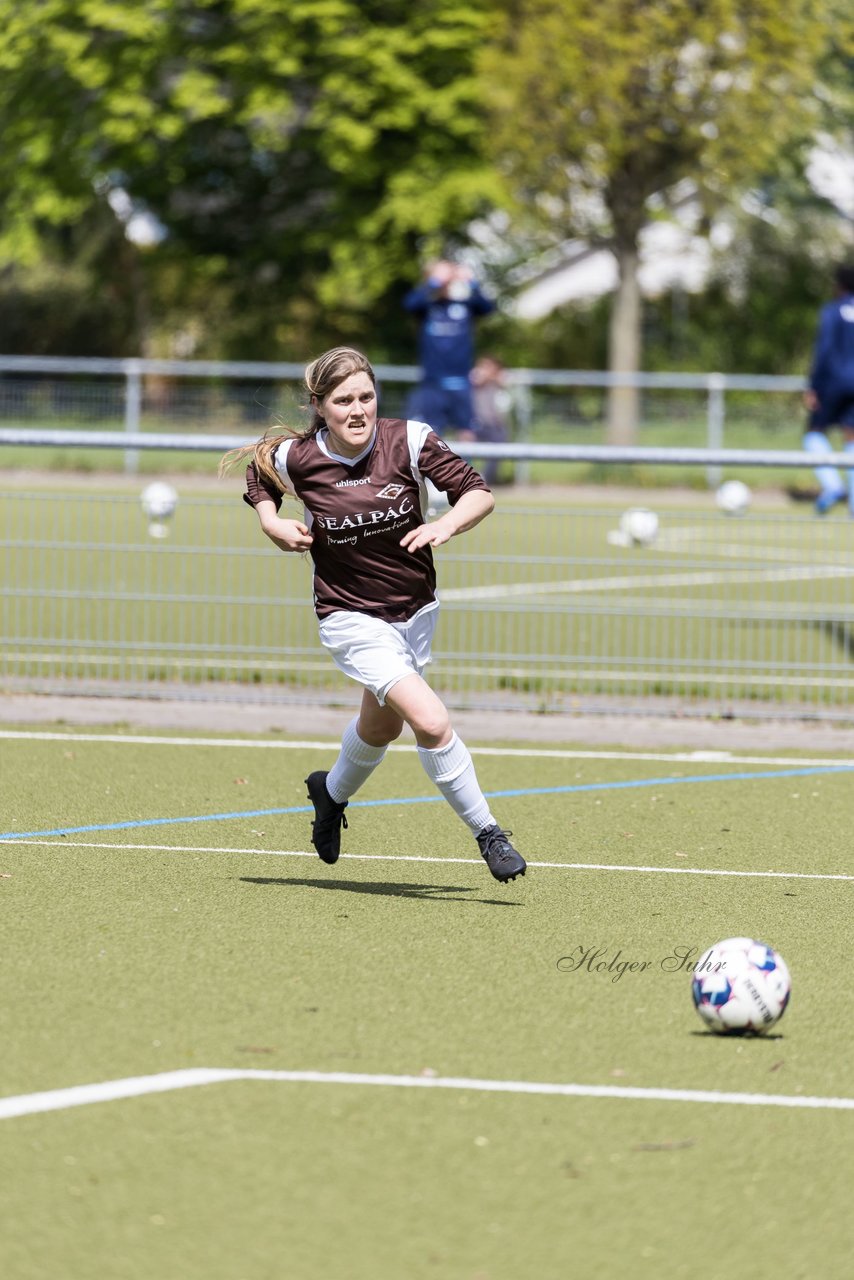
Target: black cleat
329	817
503	860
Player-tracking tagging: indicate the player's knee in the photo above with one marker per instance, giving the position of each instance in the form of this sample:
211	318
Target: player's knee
432	728
379	733
392	731
378	725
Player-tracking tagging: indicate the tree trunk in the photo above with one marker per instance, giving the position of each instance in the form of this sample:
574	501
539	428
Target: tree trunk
624	348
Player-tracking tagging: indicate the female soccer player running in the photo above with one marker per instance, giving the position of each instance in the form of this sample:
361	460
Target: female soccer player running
361	480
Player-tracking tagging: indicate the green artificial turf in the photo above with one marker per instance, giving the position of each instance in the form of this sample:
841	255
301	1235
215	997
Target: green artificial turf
204	946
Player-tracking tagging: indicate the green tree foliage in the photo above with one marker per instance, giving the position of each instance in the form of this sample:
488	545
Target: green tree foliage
303	155
598	107
298	152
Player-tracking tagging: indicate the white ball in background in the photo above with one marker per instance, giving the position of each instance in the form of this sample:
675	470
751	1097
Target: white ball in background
639	525
159	500
733	498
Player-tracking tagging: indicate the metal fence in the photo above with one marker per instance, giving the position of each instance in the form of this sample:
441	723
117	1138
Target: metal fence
547	606
544	405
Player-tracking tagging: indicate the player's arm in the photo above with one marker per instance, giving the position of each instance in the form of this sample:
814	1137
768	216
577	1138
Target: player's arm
288	535
470	497
479	302
418	299
467	512
822	358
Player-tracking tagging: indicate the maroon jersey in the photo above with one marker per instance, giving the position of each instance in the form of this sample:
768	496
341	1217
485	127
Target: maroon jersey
358	509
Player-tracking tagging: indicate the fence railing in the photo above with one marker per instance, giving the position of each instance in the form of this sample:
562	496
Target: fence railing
546	606
149	394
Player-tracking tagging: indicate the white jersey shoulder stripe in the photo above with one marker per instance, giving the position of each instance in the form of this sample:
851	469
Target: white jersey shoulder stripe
416	434
280	461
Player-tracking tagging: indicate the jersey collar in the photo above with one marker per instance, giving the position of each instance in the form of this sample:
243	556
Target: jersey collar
322	437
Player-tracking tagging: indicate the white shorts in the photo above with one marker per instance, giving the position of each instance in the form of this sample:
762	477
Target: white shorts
378	653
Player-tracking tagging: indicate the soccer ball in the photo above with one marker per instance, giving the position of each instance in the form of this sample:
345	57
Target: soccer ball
733	497
639	526
740	986
159	501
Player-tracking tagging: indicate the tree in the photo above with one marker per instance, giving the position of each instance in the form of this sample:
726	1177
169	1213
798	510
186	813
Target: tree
600	105
298	152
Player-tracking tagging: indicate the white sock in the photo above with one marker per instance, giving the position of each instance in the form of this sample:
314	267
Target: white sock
355	764
451	768
849	448
828	477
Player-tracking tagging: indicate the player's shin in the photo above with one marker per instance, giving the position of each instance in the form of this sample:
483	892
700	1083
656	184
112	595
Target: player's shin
355	764
451	768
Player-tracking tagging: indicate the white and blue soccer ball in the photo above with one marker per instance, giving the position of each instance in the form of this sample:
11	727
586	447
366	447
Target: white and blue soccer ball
639	526
733	498
741	986
158	501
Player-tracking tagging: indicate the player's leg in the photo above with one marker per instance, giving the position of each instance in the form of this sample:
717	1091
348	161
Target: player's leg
363	746
847	419
362	648
443	755
387	660
832	486
461	414
446	760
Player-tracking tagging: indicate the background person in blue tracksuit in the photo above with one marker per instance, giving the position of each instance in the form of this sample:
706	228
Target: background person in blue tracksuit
447	305
830	396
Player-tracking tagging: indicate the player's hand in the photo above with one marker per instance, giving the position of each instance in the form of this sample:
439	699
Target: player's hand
288	535
427	535
811	402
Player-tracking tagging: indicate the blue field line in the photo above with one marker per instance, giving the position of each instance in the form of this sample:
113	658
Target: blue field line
432	799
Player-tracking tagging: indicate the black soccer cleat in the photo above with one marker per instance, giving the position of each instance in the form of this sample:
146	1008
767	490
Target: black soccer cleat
505	862
328	817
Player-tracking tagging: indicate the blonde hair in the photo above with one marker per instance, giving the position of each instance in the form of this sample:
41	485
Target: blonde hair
321	378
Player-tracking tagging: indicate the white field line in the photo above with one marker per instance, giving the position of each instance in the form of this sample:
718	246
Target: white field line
411	857
137	1086
623	582
679	541
159	660
677	757
738	677
621	674
685	541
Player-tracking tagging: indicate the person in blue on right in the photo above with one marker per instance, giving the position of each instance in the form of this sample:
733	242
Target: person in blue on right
447	304
830	395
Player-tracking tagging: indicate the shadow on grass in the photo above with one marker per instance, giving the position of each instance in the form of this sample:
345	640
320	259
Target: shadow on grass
425	892
753	1036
